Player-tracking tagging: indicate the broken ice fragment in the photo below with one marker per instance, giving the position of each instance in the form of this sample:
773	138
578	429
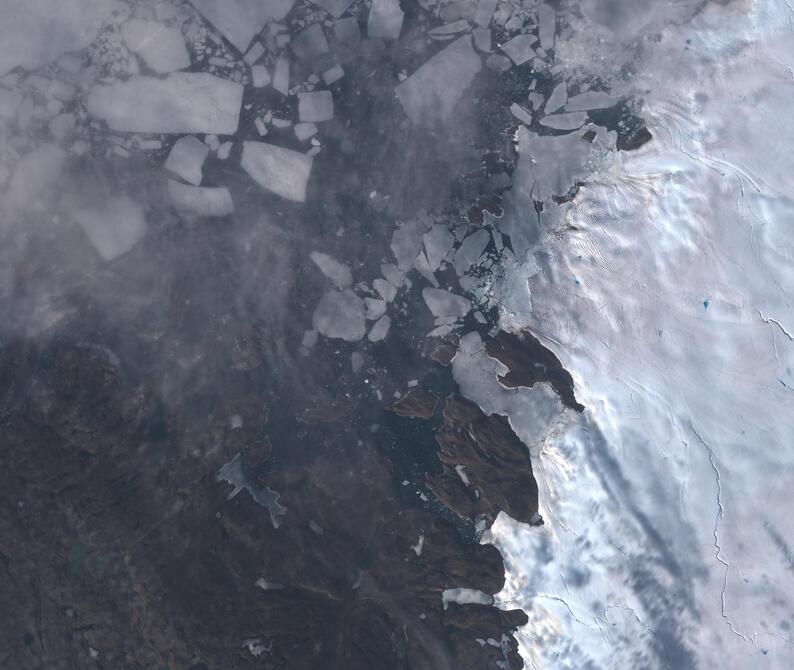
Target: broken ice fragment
260	77
482	39
385	19
484	12
340	314
281	76
375	308
316	106
239	20
254	53
333	74
232	473
519	49
470	250
442	303
279	170
405	243
200	200
557	98
303	131
565	121
449	29
162	49
337	272
36	32
438	242
33	178
182	102
547	25
347	30
113	226
521	114
310	42
432	93
186	159
590	100
334	7
379	331
386	289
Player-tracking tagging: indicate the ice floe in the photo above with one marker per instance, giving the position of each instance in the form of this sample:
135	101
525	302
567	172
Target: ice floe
162	48
240	20
442	303
281	171
113	226
385	19
186	159
337	272
200	200
315	106
182	102
341	315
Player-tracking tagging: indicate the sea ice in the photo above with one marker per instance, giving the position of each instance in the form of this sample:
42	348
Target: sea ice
114	226
34	175
334	7
375	308
260	77
547	25
315	106
337	272
519	49
379	331
442	303
590	100
182	102
239	20
186	159
385	19
281	76
557	98
470	250
200	200
386	289
347	30
303	131
438	242
565	121
432	93
162	48
340	314
310	42
35	32
281	171
484	12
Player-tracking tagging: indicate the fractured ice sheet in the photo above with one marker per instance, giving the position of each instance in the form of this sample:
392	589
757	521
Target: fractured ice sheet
431	93
239	20
35	32
113	226
162	48
470	250
340	314
182	102
186	159
200	200
281	171
569	121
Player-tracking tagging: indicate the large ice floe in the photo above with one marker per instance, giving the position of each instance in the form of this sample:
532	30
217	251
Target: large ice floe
665	290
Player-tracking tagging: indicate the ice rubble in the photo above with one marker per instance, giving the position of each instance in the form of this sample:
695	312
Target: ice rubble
182	102
431	93
340	314
186	159
667	506
162	48
239	20
35	32
281	171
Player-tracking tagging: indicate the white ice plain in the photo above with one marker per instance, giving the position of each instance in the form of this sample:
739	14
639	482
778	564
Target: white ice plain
668	533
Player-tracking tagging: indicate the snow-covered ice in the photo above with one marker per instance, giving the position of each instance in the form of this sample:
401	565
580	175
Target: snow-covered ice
589	100
564	121
186	159
182	102
162	48
442	303
281	171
